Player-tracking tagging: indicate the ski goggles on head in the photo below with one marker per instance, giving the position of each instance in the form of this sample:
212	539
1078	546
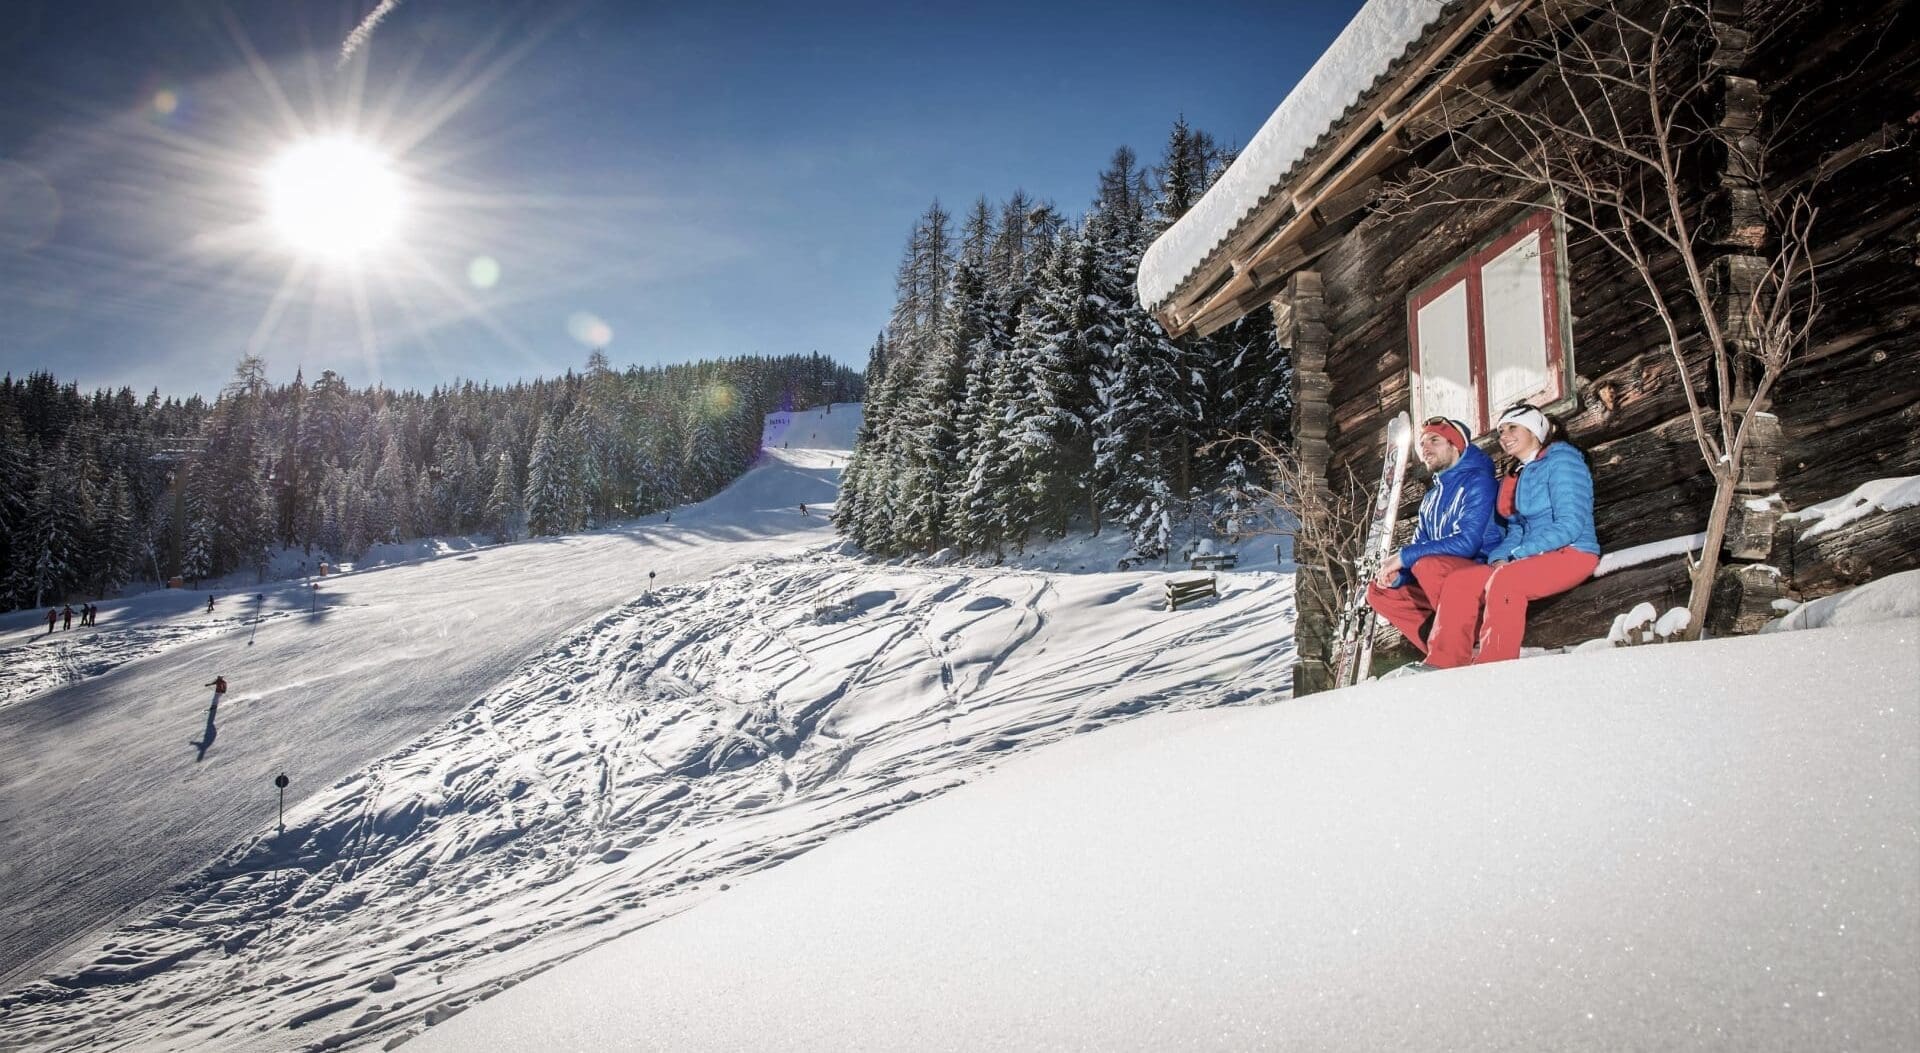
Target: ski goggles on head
1454	432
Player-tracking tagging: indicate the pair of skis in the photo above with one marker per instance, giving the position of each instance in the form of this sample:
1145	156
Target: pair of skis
1353	644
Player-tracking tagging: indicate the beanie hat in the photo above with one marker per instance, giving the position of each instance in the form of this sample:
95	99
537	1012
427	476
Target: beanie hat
1529	418
1455	432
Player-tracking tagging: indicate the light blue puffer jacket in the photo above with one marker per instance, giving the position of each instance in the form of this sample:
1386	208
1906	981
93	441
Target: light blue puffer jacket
1552	507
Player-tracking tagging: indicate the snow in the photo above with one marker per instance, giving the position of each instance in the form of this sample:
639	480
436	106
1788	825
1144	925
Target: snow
1880	495
1649	553
1714	845
1894	596
1673	623
1379	34
1637	619
792	798
100	776
631	767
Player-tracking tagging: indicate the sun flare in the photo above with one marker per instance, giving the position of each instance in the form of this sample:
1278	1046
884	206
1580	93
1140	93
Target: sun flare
333	198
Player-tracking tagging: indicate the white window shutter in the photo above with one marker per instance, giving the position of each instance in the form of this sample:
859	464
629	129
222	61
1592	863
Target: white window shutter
1444	382
1514	297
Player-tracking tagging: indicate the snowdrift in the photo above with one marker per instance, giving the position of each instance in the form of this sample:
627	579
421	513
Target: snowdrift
630	771
105	797
1714	845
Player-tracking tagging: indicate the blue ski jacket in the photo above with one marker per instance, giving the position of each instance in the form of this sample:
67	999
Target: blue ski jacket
1456	516
1552	507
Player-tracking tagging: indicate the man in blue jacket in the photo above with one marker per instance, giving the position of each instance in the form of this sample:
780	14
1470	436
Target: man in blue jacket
1456	529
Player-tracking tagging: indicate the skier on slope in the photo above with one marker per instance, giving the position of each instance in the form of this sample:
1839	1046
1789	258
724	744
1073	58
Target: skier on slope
209	603
1456	529
219	685
53	615
66	617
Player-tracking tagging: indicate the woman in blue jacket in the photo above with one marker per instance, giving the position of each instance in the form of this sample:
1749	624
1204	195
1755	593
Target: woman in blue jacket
1548	545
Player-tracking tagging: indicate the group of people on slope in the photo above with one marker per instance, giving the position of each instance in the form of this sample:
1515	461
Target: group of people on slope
1485	547
64	615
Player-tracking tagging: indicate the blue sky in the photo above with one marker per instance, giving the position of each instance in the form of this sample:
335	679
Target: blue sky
694	180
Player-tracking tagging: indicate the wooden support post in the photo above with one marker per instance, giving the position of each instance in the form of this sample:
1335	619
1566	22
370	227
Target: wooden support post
1747	584
1307	338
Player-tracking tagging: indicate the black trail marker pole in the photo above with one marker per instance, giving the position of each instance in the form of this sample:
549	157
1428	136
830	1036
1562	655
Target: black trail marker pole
280	780
259	601
649	583
314	605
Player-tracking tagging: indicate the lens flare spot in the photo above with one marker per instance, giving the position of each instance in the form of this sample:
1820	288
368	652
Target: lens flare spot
719	400
165	102
589	329
484	272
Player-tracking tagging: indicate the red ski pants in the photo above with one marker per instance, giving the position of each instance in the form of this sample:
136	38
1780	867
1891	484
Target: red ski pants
1408	607
1487	605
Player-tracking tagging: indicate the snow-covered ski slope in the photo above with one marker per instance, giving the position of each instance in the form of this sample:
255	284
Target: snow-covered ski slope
104	797
1702	846
629	770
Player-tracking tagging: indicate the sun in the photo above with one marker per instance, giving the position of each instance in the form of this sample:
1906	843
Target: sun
334	198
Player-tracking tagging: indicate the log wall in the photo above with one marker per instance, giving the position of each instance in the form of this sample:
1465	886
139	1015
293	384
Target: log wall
1849	410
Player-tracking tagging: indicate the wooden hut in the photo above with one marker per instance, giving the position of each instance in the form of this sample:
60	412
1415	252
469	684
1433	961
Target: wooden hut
1389	305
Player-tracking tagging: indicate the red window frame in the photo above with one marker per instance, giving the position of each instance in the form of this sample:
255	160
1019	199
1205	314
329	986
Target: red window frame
1469	270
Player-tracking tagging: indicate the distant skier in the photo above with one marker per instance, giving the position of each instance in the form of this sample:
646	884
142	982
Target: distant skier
669	515
209	603
803	510
86	614
66	617
219	686
52	616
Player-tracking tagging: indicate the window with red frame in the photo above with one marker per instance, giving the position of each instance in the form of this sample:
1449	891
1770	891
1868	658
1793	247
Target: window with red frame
1492	329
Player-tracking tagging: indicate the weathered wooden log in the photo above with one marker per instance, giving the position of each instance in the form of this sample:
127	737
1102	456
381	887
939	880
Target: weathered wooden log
1637	394
1751	527
1311	676
1823	461
1874	546
1743	598
1585	612
1629	517
1731	282
1766	447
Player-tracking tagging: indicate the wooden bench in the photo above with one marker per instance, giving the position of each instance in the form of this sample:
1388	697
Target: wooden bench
1184	592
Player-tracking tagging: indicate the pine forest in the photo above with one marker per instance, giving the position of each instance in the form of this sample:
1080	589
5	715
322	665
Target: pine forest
99	492
1019	391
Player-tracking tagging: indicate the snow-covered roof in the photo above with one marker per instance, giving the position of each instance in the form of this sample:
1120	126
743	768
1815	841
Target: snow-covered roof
1378	36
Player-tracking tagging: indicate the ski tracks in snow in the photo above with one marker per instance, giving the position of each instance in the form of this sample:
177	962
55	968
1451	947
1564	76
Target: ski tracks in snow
685	740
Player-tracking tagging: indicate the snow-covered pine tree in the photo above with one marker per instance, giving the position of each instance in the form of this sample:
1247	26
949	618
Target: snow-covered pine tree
389	502
861	486
1052	364
48	547
114	537
16	489
547	499
1143	431
977	334
199	554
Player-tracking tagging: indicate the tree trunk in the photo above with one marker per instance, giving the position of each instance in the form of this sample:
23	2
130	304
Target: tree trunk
1725	489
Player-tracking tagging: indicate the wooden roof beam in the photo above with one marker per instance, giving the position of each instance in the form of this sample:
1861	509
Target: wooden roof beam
1262	263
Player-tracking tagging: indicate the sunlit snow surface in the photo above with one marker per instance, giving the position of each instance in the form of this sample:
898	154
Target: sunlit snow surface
106	797
1701	846
627	772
